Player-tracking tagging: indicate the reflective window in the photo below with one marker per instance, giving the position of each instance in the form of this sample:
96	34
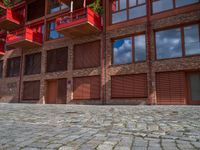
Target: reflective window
140	48
51	30
123	10
162	5
124	49
173	42
168	44
192	40
180	3
55	6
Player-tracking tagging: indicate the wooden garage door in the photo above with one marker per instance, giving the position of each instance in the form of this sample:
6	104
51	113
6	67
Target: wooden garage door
86	88
129	86
171	88
31	91
87	55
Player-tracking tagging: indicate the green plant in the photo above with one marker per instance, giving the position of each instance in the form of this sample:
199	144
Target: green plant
10	3
96	6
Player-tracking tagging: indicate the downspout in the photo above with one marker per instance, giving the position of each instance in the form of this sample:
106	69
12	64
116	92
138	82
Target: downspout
103	55
149	50
20	76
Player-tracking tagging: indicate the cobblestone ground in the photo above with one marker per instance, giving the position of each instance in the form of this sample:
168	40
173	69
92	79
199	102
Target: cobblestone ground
72	127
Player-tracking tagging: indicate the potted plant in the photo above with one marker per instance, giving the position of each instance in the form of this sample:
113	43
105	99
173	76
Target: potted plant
96	6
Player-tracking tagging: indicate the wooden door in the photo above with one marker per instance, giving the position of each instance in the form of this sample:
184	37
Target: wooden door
51	92
61	91
194	88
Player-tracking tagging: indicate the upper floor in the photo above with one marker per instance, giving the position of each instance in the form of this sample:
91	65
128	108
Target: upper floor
27	28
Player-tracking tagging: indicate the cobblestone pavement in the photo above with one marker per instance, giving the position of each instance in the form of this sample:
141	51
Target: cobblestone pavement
73	127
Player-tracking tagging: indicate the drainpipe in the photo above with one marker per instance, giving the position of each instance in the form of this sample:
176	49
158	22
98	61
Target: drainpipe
20	75
103	55
149	50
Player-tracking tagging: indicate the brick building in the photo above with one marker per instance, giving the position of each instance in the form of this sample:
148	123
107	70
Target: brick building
136	52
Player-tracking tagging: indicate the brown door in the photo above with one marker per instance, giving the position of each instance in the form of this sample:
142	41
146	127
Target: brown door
61	91
194	88
171	88
56	91
51	92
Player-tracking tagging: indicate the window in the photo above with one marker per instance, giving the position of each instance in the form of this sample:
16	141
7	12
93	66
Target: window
87	55
51	30
168	43
123	10
13	67
32	64
125	48
55	6
31	91
57	60
38	5
192	40
163	5
1	68
173	42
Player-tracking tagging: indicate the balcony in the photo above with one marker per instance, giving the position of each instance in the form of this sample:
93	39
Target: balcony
79	23
24	38
10	20
2	51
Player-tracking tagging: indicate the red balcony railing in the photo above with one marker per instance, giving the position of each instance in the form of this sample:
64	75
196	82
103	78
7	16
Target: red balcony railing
10	19
2	51
84	21
24	38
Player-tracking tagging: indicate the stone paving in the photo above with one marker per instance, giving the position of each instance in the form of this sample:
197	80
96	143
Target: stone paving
74	127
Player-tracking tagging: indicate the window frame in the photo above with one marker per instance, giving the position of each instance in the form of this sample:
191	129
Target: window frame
181	27
133	48
127	11
173	8
8	74
25	65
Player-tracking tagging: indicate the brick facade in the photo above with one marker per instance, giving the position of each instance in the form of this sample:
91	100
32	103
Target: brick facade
11	89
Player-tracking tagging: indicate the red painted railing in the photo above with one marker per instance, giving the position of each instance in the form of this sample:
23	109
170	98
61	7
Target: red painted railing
78	16
2	51
16	17
24	34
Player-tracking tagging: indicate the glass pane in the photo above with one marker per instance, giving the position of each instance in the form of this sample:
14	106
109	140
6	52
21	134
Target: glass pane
192	41
195	87
122	4
162	5
140	48
119	17
53	35
180	3
132	3
141	1
122	51
168	44
137	12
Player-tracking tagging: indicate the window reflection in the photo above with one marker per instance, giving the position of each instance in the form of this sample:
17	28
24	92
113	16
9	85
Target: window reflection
168	44
123	10
140	48
162	5
52	33
192	40
122	50
180	3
